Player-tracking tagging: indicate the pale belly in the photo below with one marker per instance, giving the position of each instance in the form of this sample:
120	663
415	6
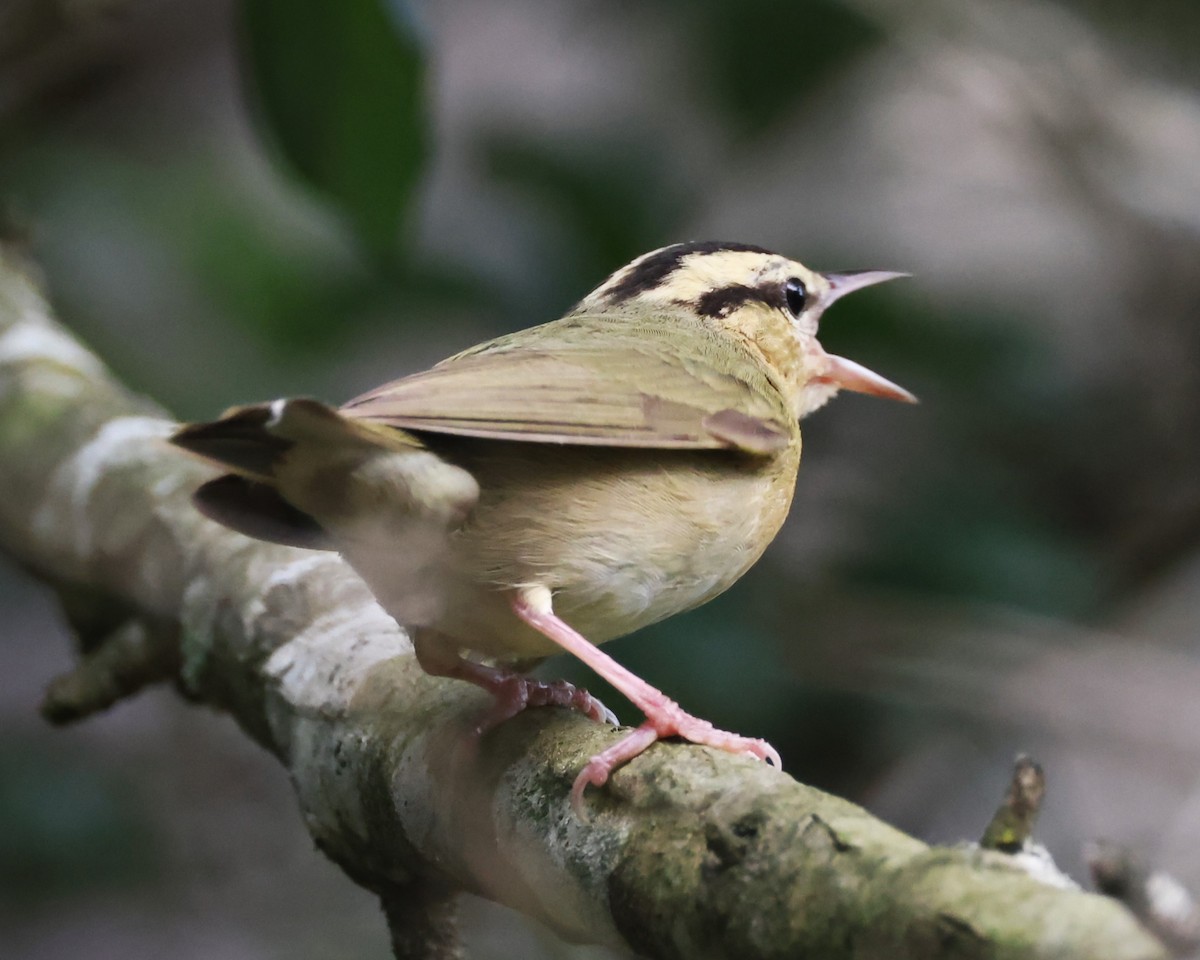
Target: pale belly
622	538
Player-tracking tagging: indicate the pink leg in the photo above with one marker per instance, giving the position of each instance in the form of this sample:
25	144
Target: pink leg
513	691
664	717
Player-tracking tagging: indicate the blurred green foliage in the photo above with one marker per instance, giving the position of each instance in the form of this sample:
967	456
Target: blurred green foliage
341	88
604	202
69	827
985	520
1162	32
758	57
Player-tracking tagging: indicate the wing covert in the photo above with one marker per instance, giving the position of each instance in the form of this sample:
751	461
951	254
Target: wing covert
575	382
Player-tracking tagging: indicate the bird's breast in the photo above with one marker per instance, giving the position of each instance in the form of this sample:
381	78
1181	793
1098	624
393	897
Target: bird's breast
623	538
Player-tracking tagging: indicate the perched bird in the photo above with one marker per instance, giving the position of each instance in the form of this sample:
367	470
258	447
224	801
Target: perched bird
563	485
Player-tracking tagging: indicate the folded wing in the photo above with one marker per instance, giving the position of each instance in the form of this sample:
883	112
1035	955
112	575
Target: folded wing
594	380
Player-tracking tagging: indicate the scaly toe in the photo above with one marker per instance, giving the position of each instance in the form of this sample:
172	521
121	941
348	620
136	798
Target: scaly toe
769	754
561	693
597	711
594	774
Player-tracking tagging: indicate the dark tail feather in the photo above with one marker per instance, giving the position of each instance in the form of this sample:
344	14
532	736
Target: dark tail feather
269	445
254	441
257	510
240	441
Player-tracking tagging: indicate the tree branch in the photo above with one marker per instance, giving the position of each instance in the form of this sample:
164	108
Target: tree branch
687	852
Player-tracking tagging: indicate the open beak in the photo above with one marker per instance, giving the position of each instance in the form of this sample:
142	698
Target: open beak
841	284
846	374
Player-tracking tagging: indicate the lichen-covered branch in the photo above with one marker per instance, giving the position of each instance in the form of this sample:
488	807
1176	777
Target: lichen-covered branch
687	852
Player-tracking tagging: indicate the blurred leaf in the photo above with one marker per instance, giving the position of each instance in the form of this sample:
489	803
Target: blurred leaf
607	200
341	88
1001	514
973	533
1161	33
760	56
68	827
294	299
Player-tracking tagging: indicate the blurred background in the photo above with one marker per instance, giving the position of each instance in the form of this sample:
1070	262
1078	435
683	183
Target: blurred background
237	201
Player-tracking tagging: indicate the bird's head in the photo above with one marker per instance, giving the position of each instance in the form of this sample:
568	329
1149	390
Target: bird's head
767	300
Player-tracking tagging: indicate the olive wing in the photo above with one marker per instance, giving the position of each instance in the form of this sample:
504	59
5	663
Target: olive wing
594	381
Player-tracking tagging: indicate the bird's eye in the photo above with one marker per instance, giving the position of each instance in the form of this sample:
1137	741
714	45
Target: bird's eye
796	295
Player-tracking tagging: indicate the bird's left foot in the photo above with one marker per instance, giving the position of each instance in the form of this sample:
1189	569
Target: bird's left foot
515	692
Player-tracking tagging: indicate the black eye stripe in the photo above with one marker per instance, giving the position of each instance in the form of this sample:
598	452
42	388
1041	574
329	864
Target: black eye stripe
796	295
722	301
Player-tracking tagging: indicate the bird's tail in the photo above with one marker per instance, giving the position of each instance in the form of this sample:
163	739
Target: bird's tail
272	451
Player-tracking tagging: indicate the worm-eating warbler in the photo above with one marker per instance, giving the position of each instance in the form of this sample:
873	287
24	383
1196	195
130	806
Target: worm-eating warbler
562	485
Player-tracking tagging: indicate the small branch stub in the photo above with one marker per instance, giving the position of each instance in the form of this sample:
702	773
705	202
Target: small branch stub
1012	825
136	654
